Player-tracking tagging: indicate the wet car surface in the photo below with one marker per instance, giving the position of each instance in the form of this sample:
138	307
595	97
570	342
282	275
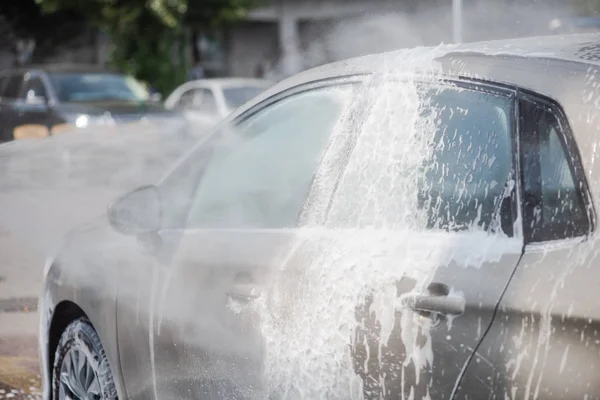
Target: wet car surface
416	224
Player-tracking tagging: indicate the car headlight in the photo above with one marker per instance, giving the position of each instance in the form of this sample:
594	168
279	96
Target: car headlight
82	121
85	120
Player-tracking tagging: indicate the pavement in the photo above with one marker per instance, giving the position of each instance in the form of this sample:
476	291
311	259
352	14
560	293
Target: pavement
48	188
20	284
34	225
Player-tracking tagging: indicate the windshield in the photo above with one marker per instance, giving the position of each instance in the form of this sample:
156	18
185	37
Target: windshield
236	96
81	87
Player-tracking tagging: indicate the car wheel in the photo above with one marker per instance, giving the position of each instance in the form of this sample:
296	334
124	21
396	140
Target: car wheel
81	369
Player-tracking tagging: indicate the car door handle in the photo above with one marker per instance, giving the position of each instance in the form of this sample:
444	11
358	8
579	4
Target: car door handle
243	292
445	305
243	287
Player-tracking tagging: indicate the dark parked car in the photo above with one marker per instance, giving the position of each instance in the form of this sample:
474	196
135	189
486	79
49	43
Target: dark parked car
39	101
416	224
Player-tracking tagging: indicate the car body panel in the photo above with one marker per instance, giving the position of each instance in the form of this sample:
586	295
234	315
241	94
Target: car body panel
545	340
93	290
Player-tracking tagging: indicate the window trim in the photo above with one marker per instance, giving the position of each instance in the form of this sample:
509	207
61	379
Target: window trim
567	139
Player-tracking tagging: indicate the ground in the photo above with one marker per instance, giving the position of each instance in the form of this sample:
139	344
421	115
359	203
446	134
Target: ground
32	227
20	284
41	200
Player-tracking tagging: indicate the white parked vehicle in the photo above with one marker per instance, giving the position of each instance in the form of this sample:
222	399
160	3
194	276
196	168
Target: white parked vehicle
207	101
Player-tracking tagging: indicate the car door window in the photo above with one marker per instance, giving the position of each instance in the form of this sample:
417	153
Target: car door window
13	86
453	154
34	87
199	100
186	100
261	177
552	200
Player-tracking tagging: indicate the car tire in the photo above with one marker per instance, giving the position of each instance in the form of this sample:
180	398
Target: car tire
80	343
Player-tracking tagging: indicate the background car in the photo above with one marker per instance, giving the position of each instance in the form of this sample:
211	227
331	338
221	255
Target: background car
207	101
416	224
561	26
39	101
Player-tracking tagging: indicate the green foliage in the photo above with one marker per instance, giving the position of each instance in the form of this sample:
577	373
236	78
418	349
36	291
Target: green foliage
149	35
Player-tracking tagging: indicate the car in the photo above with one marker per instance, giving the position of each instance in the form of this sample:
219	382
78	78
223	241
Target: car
38	101
207	101
414	224
562	26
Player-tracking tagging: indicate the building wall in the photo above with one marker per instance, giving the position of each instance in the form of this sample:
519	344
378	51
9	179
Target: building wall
249	44
329	30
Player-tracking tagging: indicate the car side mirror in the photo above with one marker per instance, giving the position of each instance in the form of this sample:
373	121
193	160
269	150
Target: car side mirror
137	212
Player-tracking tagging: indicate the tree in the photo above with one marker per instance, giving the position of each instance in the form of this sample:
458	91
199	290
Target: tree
150	37
23	26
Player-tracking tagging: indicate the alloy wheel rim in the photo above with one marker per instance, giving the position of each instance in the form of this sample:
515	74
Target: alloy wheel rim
78	379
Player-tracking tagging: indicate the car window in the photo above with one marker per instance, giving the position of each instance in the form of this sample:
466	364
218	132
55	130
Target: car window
94	86
261	175
32	88
440	160
553	205
13	86
199	100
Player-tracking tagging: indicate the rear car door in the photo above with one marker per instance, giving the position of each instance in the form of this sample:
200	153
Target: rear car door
545	340
428	220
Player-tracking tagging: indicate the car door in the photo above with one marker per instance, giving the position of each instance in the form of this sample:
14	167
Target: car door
180	337
545	340
426	214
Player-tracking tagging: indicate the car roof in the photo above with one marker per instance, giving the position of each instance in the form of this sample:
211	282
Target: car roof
560	50
560	67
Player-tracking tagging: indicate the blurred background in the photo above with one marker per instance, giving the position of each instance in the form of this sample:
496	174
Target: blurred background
161	73
165	42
